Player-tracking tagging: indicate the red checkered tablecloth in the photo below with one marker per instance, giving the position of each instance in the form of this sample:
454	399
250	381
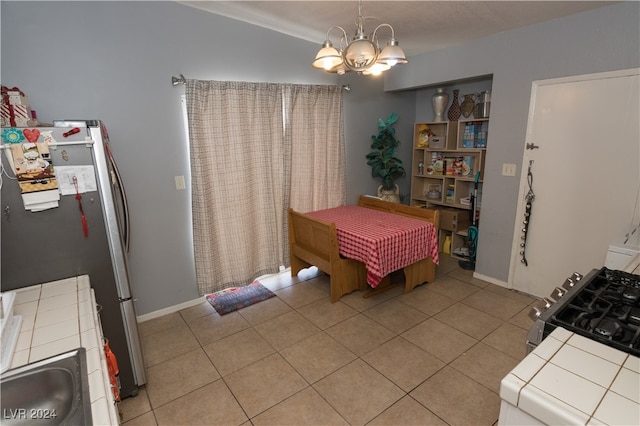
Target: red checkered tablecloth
384	242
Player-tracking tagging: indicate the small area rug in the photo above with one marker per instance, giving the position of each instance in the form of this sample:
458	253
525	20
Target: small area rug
234	298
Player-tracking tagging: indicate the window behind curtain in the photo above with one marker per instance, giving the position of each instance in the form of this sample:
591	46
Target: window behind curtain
256	149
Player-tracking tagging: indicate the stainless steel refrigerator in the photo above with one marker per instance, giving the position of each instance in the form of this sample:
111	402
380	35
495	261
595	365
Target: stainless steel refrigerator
86	236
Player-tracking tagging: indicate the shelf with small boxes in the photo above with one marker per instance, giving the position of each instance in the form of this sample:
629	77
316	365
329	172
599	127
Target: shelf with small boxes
447	169
472	134
445	163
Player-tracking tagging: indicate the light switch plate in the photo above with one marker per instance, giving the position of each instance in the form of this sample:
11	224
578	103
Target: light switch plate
508	169
179	182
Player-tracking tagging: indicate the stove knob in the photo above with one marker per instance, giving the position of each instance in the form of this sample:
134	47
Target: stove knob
535	313
557	293
576	276
568	283
539	307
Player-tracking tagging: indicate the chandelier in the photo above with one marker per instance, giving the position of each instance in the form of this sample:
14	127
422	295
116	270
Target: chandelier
362	54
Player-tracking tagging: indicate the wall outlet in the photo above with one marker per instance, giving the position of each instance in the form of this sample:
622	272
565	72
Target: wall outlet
179	182
508	169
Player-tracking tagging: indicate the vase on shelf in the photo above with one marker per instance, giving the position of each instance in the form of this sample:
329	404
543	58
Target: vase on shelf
439	101
454	109
483	106
467	105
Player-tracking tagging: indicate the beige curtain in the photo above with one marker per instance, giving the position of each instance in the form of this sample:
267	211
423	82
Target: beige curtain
318	152
241	165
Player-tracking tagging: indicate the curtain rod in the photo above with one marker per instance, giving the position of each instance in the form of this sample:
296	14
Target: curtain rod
178	80
182	80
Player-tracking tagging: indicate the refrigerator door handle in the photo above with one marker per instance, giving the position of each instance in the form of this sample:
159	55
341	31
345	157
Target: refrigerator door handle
125	204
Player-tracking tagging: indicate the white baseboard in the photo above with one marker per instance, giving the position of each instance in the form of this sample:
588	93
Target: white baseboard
169	310
490	280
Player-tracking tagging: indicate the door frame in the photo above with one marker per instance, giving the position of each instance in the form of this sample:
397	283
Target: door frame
535	85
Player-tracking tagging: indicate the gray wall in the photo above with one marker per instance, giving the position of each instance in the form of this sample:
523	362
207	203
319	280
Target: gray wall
604	39
114	60
364	105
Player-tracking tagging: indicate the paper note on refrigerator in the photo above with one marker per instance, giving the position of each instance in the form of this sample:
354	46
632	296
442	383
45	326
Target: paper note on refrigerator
85	175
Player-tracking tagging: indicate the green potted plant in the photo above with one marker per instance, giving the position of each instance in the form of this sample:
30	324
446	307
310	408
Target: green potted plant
382	159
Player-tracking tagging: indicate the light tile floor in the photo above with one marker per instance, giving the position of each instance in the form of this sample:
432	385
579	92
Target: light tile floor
434	356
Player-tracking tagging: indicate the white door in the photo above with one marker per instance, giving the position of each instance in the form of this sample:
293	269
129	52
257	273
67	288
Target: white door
586	176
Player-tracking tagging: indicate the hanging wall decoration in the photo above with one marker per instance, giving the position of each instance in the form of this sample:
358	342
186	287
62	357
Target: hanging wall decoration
527	215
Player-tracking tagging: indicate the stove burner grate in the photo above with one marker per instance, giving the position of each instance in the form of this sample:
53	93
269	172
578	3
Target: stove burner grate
606	327
606	309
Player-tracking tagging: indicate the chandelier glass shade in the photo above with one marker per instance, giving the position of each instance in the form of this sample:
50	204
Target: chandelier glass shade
362	54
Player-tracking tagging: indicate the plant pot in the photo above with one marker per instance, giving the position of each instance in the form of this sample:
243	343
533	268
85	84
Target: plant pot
392	195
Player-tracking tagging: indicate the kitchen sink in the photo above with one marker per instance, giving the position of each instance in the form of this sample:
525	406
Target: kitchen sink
53	391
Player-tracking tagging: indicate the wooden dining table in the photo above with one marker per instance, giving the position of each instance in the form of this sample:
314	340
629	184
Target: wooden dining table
384	242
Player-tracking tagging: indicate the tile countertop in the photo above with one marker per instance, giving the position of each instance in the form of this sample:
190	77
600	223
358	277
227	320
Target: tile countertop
570	379
58	317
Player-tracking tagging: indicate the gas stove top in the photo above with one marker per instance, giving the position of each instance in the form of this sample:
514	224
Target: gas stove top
604	305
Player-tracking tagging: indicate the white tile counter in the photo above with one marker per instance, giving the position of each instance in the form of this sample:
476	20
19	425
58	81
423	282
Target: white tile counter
569	379
58	317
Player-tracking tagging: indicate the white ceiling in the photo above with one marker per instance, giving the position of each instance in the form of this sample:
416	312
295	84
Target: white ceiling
419	26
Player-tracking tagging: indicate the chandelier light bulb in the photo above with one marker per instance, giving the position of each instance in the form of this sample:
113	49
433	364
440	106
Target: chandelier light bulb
377	69
328	57
392	54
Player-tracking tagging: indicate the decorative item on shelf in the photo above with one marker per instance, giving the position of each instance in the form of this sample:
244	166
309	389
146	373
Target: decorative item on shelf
423	137
467	105
454	109
438	142
433	192
430	169
458	163
437	166
439	101
361	53
467	168
448	166
421	168
483	106
382	159
451	190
